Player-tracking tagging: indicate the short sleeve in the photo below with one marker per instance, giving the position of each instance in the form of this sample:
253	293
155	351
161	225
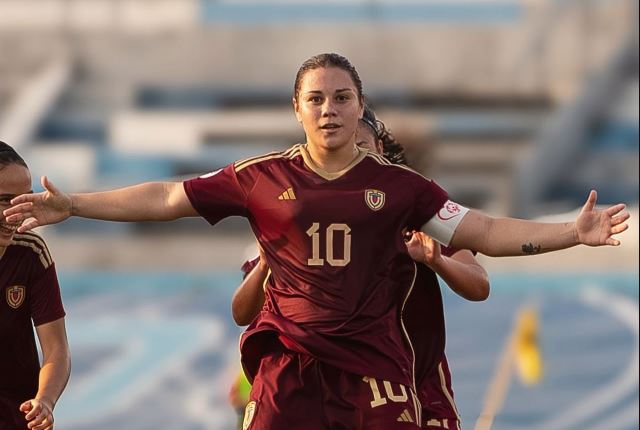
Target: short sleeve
46	301
217	195
430	197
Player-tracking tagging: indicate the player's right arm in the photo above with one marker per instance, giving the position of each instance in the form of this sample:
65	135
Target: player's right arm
151	201
461	271
248	299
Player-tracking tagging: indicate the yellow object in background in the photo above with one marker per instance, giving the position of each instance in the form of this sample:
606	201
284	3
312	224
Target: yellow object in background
239	393
528	358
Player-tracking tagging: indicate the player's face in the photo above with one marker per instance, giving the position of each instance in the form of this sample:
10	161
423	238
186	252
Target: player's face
328	108
14	180
367	140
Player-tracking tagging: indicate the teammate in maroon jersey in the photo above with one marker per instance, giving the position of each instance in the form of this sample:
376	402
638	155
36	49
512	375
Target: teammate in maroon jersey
325	213
423	315
30	292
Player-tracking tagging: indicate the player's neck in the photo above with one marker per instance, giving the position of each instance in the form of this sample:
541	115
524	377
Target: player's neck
332	160
2	250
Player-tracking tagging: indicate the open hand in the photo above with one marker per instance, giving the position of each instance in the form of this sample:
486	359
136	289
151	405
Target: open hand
595	227
38	209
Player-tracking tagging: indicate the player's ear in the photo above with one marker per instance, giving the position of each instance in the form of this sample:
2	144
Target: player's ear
296	109
379	146
361	111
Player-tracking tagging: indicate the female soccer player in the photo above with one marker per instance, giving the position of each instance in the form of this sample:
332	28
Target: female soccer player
29	292
326	212
423	314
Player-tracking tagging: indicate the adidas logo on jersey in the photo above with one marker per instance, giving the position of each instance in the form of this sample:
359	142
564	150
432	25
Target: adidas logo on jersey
288	194
405	417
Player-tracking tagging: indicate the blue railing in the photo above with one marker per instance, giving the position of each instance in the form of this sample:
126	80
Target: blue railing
213	11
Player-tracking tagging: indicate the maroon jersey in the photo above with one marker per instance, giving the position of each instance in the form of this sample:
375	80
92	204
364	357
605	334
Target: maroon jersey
339	267
423	317
30	293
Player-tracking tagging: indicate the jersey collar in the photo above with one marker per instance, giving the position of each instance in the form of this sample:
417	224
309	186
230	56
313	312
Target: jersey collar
330	176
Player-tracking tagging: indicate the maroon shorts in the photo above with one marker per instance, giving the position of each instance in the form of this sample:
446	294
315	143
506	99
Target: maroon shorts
294	391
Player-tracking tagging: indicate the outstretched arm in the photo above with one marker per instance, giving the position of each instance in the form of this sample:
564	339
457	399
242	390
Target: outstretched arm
462	272
151	201
499	237
248	299
54	374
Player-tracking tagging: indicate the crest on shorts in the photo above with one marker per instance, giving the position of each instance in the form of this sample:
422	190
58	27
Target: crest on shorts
15	296
249	413
374	199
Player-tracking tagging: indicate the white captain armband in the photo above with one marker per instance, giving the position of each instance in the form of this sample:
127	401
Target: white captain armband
444	223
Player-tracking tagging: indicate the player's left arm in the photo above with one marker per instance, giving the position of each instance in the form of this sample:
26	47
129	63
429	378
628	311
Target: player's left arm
54	374
498	237
248	298
461	271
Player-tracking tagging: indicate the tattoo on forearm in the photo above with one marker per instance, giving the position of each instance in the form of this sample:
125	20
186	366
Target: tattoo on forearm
529	248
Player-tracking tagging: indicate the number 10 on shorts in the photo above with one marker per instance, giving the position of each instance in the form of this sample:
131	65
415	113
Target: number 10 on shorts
379	399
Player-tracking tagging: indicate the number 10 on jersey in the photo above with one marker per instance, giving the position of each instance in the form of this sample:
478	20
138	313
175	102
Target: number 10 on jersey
316	233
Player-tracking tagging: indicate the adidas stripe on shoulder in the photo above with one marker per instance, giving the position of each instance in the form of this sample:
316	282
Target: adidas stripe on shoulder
289	153
36	244
383	161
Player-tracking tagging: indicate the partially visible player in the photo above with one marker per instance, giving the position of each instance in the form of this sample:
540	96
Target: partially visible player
29	295
239	396
423	319
246	304
325	213
423	314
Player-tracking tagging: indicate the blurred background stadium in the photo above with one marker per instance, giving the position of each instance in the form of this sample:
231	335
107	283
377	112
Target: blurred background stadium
516	107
